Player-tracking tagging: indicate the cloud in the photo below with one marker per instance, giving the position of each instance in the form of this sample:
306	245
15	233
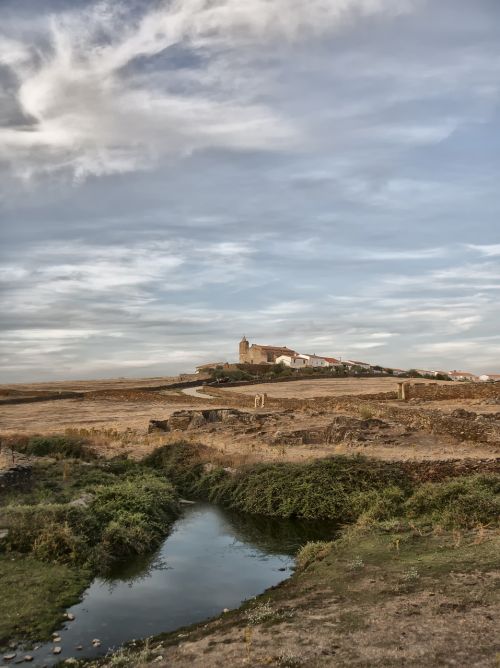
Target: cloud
175	174
89	109
489	250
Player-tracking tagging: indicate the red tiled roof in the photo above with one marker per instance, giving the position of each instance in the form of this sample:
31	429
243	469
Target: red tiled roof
289	350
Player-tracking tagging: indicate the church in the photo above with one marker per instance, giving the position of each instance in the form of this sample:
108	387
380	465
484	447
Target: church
257	354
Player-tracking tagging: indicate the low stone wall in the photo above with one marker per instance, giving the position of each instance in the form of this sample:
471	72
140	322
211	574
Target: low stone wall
457	390
435	471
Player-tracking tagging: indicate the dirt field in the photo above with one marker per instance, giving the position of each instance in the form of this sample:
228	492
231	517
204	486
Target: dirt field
56	416
94	385
327	387
118	419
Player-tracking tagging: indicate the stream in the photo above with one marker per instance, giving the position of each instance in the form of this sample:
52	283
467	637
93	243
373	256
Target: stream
212	559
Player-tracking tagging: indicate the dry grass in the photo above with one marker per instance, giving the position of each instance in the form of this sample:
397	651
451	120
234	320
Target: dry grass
324	387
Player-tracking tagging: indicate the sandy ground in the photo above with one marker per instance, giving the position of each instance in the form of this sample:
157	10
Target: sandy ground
327	387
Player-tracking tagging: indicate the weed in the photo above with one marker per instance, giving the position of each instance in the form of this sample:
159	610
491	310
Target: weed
130	658
366	412
311	552
411	575
356	564
57	446
264	612
288	659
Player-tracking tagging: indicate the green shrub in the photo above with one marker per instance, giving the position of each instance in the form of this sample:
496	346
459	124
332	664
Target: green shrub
324	489
377	505
128	515
460	502
58	446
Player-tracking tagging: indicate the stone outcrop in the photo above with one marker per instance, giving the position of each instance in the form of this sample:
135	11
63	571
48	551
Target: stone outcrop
18	475
192	419
342	428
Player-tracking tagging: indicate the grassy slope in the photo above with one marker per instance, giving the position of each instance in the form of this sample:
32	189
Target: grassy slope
34	596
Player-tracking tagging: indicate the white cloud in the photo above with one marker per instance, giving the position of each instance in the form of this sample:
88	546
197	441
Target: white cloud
489	250
90	115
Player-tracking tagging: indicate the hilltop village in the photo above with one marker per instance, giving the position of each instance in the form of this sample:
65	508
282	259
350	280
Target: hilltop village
254	357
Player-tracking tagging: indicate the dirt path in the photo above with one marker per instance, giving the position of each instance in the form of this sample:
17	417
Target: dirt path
195	392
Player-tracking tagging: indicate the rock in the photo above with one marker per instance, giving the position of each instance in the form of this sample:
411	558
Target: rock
56	639
28	657
70	616
71	661
57	650
96	642
82	501
226	610
158	425
79	647
9	657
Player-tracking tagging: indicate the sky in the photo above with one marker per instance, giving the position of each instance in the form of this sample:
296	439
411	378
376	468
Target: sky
175	174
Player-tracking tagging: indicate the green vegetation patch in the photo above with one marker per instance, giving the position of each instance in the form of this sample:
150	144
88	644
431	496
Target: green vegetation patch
58	445
89	515
34	596
461	502
330	488
342	489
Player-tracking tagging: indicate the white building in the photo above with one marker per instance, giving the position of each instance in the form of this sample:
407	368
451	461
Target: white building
293	361
363	365
316	362
490	377
462	375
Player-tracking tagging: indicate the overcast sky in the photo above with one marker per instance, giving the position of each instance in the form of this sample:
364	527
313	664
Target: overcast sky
320	174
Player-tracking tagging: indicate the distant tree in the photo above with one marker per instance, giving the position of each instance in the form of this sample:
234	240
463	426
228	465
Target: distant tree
442	376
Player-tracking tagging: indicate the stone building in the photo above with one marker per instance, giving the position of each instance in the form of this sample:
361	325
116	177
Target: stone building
257	354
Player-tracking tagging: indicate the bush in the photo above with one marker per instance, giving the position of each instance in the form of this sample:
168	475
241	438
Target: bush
377	505
323	489
57	542
58	446
458	503
127	515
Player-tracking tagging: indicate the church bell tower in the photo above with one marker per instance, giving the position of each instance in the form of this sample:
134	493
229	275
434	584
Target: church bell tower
244	349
